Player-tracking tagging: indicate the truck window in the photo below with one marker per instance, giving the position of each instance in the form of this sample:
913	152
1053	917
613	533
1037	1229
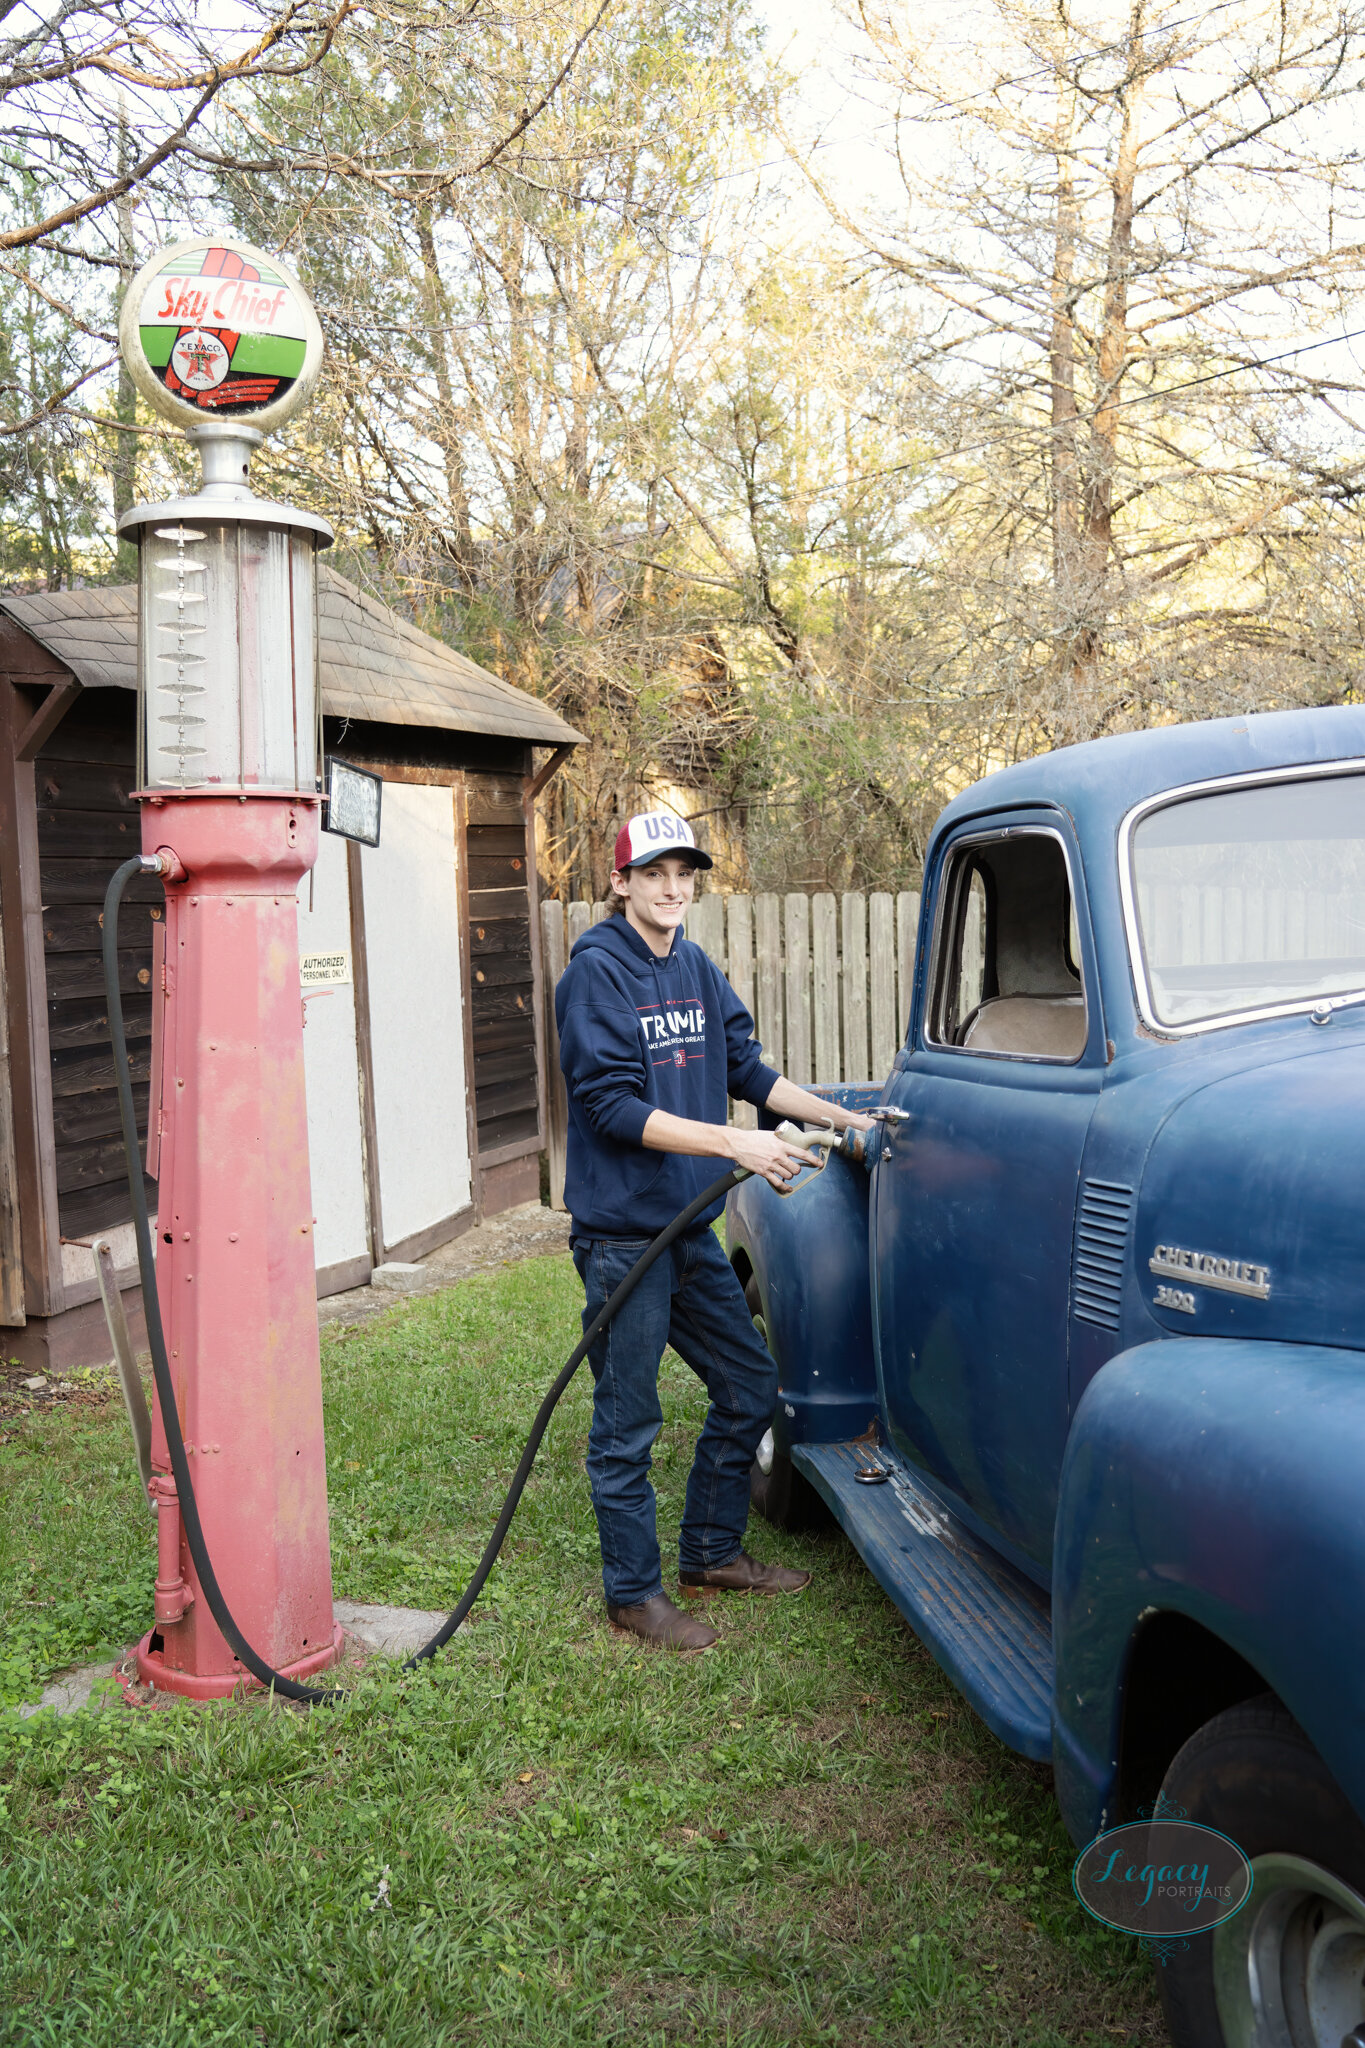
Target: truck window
1006	981
1250	899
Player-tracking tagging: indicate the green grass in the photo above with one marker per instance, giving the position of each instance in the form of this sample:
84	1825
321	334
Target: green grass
551	1836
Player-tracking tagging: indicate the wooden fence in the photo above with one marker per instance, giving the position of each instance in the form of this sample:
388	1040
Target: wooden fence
826	979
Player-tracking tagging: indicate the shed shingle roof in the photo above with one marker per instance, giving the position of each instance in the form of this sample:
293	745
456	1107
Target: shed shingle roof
373	665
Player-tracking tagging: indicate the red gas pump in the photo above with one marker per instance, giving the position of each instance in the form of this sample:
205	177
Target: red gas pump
221	339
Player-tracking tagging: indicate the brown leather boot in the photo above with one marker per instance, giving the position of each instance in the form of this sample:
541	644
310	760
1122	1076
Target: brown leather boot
658	1621
742	1575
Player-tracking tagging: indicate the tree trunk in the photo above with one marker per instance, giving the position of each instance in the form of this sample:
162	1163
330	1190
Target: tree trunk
125	404
1110	366
459	542
1066	484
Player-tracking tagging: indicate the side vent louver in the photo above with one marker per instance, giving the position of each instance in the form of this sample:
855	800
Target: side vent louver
1101	1250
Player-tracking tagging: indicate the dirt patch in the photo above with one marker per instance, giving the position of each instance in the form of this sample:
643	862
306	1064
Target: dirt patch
821	1812
24	1392
527	1232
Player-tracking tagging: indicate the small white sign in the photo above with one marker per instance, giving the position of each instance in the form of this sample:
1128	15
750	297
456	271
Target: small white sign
325	970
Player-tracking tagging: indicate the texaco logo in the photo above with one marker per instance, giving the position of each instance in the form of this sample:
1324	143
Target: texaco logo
214	329
200	360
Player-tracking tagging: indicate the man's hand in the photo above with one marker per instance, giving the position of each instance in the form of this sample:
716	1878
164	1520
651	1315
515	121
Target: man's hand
802	1107
762	1152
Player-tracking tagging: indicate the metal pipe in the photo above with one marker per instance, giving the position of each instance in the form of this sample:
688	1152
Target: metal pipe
134	1400
171	1596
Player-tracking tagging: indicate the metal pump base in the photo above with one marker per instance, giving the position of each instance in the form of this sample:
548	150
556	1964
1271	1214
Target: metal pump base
152	1669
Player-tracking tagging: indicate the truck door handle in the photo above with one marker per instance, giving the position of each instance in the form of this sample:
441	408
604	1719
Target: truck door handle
890	1120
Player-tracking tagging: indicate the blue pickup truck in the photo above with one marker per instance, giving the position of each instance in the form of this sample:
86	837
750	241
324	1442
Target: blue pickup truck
1073	1345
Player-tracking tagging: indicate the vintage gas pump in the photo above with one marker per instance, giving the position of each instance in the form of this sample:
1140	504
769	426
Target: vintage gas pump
222	340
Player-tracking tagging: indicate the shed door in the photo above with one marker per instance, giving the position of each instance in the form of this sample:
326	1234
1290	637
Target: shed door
412	937
506	1099
336	1155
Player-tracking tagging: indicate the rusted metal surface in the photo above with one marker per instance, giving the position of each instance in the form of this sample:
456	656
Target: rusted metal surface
235	1266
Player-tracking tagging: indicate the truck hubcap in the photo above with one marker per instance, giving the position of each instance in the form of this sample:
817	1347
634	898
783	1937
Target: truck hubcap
1289	1969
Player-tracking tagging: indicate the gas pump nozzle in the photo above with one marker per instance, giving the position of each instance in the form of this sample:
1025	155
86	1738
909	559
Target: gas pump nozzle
809	1142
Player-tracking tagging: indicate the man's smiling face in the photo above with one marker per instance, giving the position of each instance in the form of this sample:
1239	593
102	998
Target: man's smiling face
657	894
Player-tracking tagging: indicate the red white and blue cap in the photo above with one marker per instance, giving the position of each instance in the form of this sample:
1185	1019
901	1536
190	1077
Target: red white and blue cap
644	838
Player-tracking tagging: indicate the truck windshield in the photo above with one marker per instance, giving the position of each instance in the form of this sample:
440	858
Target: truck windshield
1252	898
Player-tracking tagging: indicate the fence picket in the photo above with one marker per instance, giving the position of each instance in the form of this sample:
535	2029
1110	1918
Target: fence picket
907	931
825	977
881	959
797	933
768	979
739	925
857	1064
705	925
580	917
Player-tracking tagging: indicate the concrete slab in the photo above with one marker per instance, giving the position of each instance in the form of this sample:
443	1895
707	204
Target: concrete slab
93	1686
391	1631
398	1277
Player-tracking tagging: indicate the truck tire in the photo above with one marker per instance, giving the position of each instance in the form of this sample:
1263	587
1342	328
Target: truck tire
1288	1970
780	1494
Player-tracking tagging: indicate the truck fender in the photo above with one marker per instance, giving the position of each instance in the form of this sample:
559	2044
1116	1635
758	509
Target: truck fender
1219	1480
808	1252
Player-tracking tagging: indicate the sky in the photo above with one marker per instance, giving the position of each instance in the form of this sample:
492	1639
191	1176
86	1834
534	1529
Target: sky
813	40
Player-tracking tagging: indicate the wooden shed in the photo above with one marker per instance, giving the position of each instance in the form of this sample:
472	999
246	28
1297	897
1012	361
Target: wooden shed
421	962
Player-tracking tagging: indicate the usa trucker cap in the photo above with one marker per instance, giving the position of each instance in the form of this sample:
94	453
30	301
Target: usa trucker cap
645	837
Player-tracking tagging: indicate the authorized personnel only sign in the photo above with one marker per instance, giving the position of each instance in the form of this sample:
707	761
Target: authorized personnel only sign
325	970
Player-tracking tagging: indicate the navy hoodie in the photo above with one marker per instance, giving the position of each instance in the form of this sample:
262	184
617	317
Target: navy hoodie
637	1034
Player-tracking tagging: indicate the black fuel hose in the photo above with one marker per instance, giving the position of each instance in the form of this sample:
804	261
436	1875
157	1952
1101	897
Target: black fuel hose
290	1688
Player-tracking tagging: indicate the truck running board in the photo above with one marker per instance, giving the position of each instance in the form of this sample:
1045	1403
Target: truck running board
984	1622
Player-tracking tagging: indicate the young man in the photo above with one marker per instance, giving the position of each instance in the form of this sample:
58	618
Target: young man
652	1038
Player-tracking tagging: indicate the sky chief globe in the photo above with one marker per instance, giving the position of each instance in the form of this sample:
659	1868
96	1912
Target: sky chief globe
214	329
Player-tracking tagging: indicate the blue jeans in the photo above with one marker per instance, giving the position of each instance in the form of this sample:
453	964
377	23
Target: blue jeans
691	1299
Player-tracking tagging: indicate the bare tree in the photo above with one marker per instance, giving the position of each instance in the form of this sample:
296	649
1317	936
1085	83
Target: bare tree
73	84
511	308
1118	254
123	121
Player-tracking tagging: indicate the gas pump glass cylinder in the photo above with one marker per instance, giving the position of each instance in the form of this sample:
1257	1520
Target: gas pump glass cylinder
228	655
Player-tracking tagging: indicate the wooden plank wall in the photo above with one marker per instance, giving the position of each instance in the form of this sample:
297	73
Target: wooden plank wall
11	1243
502	969
87	824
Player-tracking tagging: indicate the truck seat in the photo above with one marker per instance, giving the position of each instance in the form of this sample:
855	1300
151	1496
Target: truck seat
1047	1027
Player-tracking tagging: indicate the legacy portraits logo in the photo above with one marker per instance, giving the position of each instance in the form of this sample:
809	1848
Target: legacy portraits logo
1162	1878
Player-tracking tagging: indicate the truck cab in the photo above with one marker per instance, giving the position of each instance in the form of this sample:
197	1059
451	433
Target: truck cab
1071	1346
